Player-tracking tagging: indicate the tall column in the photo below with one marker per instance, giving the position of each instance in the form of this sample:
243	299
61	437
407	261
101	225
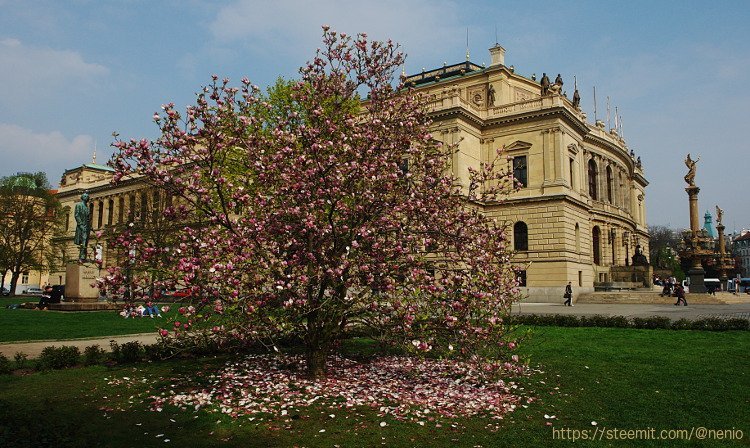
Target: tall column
693	198
722	253
696	272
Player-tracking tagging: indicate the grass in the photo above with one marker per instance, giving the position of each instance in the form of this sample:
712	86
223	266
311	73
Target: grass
35	325
620	378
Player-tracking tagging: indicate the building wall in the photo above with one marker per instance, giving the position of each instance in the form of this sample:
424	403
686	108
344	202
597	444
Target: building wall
559	145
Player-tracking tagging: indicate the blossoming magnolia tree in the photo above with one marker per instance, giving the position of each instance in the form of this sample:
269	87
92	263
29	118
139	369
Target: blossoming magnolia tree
322	212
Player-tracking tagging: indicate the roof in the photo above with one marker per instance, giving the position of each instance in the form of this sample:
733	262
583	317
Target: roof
92	166
440	74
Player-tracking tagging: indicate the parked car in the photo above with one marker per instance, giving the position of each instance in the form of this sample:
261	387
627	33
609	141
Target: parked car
5	291
33	291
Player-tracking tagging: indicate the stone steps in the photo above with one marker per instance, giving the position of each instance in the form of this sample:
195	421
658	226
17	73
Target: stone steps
652	297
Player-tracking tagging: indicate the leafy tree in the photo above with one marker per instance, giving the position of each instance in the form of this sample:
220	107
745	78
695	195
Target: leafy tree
320	212
29	218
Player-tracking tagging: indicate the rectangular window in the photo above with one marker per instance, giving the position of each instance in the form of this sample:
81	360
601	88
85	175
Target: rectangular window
570	168
520	171
131	208
111	205
100	217
25	278
144	206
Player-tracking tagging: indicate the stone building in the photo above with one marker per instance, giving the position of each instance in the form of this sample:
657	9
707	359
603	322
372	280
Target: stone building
741	250
580	215
110	207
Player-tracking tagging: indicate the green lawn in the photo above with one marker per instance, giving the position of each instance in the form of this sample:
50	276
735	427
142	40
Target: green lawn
619	378
35	325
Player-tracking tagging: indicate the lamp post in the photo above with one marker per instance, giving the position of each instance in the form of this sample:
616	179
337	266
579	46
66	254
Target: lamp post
626	243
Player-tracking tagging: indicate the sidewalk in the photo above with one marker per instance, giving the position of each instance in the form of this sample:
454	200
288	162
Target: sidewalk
34	349
691	312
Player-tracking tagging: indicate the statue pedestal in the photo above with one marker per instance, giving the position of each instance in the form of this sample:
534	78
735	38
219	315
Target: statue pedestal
78	280
697	279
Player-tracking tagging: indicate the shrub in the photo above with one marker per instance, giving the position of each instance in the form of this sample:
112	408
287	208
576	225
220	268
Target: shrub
5	366
682	324
737	323
92	355
127	353
651	323
58	357
21	359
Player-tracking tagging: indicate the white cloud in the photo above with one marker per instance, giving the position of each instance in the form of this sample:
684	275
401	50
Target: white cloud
22	149
426	29
29	71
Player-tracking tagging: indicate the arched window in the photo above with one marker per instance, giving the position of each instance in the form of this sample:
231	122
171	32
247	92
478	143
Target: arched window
520	236
609	185
592	179
595	242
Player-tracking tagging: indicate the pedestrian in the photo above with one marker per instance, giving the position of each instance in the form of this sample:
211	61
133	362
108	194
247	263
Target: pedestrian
568	295
680	292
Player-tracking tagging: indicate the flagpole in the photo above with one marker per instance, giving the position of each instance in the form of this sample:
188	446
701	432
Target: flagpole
595	118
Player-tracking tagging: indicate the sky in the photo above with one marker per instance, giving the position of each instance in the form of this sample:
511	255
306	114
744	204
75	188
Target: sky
72	72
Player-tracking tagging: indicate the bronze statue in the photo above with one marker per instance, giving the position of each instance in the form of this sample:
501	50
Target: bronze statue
719	215
545	84
690	176
83	225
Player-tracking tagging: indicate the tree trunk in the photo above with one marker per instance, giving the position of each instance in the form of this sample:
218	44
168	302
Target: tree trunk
316	362
13	282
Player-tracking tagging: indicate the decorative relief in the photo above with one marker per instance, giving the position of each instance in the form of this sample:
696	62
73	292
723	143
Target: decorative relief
477	95
518	145
573	148
523	95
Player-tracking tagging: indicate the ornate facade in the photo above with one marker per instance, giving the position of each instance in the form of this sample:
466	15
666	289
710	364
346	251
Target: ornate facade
110	207
579	216
581	209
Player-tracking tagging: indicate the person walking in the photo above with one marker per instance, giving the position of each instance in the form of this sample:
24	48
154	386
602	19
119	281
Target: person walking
568	295
680	293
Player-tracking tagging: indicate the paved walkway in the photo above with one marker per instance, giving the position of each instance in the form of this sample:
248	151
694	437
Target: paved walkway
34	349
691	312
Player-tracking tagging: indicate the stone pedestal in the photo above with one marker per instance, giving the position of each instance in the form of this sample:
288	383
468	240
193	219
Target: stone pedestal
697	278
78	280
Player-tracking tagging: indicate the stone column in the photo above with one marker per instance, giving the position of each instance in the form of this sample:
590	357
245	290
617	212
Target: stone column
722	253
693	198
696	272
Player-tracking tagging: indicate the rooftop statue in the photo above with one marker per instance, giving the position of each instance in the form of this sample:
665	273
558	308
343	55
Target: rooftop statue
545	84
719	215
576	99
690	176
83	225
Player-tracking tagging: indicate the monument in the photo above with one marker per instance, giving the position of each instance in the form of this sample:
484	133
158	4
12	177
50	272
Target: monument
697	245
80	275
726	262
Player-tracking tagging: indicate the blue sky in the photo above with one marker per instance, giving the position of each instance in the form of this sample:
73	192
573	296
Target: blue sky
72	72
